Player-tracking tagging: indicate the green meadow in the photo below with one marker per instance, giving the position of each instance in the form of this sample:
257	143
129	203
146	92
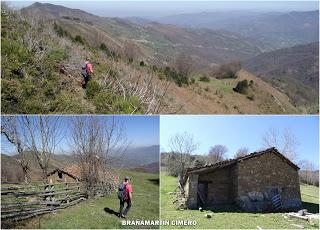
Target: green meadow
233	219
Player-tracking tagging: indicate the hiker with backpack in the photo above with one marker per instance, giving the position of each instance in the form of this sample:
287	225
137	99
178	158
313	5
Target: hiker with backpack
86	71
125	196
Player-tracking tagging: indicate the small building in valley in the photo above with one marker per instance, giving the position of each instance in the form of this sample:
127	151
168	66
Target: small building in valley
260	181
67	174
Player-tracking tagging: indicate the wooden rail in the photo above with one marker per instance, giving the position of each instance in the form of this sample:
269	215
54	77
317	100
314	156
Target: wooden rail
21	202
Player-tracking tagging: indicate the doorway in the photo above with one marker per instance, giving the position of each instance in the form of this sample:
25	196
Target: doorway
202	194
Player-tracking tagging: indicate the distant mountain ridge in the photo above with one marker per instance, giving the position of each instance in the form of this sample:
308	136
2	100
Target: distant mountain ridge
142	158
157	43
269	31
294	70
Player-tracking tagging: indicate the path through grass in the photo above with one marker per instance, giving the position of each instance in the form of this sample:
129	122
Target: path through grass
101	212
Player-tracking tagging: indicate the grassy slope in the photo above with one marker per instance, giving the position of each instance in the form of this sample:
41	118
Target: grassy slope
230	220
218	97
92	214
310	196
11	169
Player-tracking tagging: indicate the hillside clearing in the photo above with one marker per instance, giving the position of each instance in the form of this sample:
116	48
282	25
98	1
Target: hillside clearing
101	212
218	97
231	219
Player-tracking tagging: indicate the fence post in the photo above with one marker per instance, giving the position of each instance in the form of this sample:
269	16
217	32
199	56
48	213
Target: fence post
52	191
67	195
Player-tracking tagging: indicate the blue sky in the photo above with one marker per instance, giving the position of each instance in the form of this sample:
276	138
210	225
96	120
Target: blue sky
140	130
163	8
232	131
242	131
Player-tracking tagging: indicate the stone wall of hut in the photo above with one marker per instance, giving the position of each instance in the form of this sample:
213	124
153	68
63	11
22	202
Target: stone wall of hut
221	185
258	175
54	178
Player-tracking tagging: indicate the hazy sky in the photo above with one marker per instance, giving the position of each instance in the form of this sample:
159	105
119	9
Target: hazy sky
242	131
164	8
141	131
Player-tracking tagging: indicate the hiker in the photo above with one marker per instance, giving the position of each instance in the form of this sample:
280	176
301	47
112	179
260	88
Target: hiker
87	71
125	196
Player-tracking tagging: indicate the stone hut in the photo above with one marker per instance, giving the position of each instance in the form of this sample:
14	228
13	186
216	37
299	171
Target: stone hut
67	174
260	181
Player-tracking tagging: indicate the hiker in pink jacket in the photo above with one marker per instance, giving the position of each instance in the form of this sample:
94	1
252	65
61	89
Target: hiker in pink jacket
87	71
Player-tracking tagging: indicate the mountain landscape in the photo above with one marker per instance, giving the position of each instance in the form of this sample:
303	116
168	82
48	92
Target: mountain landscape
175	64
294	70
268	31
144	159
154	42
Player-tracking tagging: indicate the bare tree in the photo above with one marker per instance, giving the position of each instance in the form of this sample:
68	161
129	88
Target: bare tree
242	152
11	128
228	70
184	65
286	142
97	144
144	86
217	153
183	145
42	134
308	173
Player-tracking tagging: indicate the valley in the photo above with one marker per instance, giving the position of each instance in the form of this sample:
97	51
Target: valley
137	65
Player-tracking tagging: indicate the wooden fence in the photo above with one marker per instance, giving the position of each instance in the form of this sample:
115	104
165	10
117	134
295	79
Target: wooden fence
19	202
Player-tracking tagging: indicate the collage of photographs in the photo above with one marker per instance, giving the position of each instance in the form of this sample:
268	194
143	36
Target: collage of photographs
151	114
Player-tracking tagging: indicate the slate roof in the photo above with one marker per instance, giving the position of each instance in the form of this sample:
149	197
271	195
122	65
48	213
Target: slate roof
229	162
72	171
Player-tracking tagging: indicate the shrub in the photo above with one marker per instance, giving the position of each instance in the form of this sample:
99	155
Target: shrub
106	102
242	87
105	49
142	63
92	89
227	70
204	79
55	57
103	46
155	68
10	96
173	75
230	74
114	55
128	106
60	31
79	39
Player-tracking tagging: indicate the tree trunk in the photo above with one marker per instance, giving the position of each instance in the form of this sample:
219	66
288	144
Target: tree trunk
25	177
44	175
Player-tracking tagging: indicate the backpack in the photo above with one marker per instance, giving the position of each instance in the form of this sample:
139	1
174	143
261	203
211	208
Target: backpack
84	69
84	66
122	191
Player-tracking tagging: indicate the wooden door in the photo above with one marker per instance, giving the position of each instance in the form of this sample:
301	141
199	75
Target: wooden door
202	194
